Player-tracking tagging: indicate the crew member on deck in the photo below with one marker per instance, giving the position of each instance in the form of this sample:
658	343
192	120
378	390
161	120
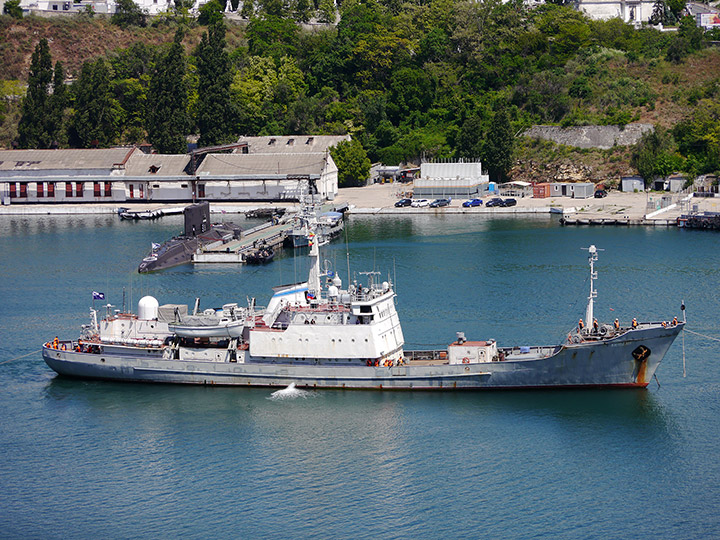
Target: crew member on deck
595	325
56	342
581	325
675	321
634	323
617	324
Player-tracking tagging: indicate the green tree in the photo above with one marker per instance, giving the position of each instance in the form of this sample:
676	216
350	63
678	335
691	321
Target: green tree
12	8
499	145
326	11
658	12
248	9
167	121
262	92
676	7
96	113
352	163
301	11
271	35
647	154
128	13
211	12
32	128
691	32
57	103
469	142
214	110
678	50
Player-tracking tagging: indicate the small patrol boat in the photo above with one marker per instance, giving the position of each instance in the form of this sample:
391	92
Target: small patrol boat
318	334
261	255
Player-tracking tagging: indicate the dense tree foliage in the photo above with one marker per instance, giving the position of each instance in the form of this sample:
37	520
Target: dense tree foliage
43	108
96	114
352	163
167	103
33	127
12	8
215	114
431	79
128	13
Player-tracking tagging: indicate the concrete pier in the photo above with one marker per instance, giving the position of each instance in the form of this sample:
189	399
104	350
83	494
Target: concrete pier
270	234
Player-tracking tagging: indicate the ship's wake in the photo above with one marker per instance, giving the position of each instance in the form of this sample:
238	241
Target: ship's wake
291	392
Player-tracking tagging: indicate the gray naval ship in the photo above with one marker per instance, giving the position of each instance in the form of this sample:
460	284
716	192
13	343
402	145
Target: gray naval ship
198	231
319	334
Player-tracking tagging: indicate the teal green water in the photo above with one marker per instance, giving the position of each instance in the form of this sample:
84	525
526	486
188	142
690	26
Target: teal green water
93	459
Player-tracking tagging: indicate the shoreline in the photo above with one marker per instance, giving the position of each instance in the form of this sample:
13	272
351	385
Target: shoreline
644	208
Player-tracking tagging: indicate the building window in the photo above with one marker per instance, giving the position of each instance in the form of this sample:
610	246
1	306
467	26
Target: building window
132	191
108	189
183	185
23	190
79	189
13	193
141	190
68	189
271	142
310	140
201	191
96	189
51	189
153	169
291	142
40	190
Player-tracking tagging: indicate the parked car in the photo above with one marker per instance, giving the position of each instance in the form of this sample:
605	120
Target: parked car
403	202
472	202
495	201
600	193
419	203
440	202
509	202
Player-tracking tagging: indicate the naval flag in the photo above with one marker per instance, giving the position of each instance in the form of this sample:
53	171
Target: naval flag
98	295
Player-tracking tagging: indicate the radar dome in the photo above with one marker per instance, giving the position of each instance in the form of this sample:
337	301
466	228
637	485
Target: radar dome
337	281
148	308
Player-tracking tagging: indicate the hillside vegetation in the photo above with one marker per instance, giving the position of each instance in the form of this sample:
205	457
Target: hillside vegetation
441	79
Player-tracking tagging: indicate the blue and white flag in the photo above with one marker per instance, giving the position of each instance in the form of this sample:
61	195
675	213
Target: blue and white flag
98	295
155	246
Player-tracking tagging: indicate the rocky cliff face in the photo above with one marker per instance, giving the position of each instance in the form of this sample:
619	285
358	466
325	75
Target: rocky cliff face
566	170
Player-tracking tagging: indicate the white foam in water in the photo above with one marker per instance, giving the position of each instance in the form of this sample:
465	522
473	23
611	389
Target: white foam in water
290	393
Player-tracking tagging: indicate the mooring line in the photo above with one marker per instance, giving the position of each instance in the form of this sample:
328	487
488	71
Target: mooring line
702	335
19	357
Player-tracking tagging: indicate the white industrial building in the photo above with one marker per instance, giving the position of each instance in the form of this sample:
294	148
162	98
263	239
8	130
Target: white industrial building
450	179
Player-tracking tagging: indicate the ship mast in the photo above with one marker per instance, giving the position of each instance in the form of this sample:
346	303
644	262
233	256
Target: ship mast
589	315
314	274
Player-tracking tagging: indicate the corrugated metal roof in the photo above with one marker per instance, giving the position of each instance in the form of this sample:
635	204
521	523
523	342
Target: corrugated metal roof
71	159
291	144
257	164
154	165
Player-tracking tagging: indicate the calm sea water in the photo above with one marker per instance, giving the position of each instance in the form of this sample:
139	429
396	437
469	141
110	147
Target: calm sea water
85	459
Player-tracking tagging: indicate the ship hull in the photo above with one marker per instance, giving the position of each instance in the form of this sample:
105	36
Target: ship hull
605	363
